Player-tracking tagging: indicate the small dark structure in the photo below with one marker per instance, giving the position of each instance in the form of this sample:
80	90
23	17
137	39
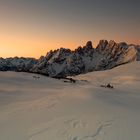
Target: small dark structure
36	77
69	80
108	86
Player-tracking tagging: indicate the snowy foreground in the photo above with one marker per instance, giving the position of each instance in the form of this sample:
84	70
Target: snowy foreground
33	108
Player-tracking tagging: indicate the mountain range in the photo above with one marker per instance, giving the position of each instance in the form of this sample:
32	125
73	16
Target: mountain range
65	62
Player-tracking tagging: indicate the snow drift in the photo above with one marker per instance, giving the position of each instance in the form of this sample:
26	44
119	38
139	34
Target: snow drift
50	109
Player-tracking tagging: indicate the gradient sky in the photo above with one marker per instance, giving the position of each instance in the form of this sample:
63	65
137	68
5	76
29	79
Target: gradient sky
33	27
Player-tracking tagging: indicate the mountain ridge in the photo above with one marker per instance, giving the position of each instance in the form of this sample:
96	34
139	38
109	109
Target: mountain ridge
65	62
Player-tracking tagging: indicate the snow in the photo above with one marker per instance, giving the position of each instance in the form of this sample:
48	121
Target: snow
50	109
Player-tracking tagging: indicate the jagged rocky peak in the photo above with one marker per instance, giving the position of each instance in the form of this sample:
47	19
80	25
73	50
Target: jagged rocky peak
102	45
123	44
56	55
111	46
112	43
79	50
49	54
59	52
89	45
87	48
62	51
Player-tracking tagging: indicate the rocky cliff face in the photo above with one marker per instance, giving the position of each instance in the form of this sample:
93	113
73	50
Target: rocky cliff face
64	62
114	54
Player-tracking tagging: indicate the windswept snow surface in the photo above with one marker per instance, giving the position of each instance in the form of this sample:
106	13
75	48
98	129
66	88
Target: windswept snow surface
33	108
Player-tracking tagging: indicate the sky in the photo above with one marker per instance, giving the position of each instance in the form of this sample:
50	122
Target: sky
31	28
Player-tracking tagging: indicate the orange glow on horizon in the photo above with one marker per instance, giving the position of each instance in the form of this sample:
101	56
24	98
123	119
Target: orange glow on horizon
24	44
33	47
10	47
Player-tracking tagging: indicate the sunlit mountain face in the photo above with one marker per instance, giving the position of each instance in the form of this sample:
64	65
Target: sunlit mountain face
32	28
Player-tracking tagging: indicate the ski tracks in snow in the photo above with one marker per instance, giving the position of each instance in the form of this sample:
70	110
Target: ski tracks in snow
71	129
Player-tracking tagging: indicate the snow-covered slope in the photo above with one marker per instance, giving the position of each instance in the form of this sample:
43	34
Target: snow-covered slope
35	107
64	62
